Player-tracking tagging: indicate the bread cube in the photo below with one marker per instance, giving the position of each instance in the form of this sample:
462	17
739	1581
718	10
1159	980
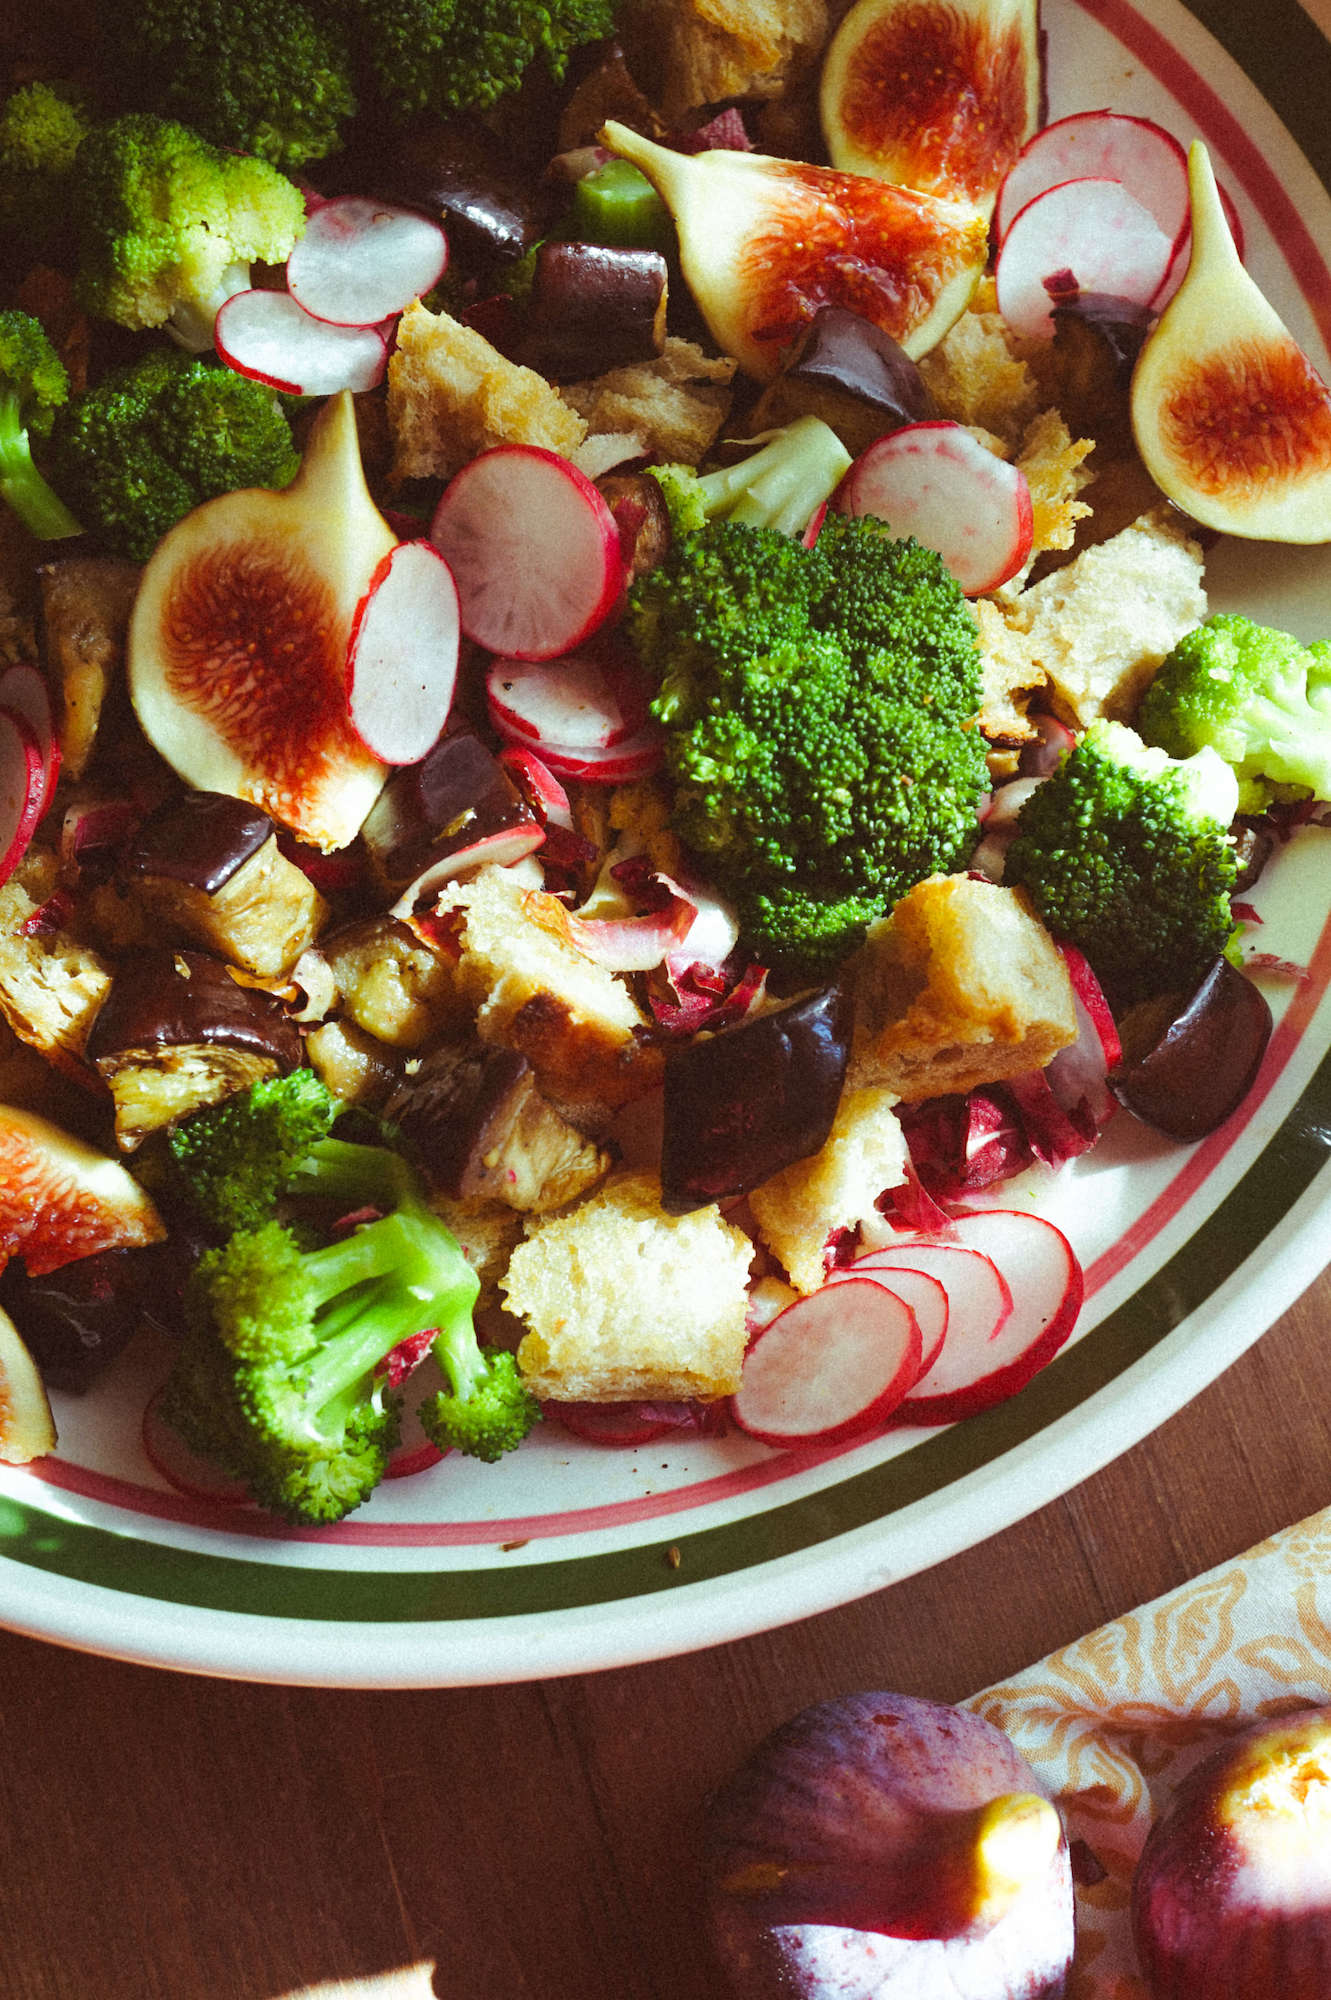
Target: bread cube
960	984
805	1205
622	1301
452	395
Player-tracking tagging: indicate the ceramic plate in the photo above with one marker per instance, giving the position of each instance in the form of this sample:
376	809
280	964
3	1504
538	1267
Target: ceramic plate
566	1557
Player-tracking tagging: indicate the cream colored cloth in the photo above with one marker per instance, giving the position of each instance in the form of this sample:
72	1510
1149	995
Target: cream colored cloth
1113	1721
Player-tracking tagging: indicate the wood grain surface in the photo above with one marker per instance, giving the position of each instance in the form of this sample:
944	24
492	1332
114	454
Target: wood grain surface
166	1837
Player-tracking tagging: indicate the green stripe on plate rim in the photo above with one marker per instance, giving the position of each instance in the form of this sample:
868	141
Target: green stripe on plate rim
1289	61
1287	57
223	1583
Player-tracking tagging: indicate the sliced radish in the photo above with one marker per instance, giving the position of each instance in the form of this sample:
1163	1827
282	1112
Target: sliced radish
198	1478
978	1296
539	786
578	703
22	788
924	1293
1089	233
1102	145
834	1364
983	1363
268	336
23	691
939	483
637	757
534	549
361	261
402	656
1078	1075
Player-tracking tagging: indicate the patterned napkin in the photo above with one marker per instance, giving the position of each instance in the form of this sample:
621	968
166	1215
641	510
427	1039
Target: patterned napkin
1112	1722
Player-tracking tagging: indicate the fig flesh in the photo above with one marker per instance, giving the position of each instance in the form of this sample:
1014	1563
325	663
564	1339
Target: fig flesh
1232	1894
938	97
1230	417
764	243
61	1199
238	642
27	1430
881	1845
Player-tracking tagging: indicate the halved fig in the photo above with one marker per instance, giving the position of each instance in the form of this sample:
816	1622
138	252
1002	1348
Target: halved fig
238	642
61	1198
176	1032
1230	417
27	1428
764	243
939	97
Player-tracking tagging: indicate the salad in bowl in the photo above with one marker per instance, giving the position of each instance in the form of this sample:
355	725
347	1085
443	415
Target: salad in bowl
611	732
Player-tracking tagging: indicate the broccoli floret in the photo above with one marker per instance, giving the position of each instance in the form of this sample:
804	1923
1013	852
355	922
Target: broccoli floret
169	224
446	56
1257	697
41	126
270	77
282	1377
232	1160
817	775
781	485
1125	853
156	437
33	385
894	605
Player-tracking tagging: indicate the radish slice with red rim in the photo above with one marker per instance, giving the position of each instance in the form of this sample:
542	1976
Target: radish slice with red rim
982	1363
409	1459
579	703
939	483
921	1290
1102	145
402	656
538	785
1091	234
637	757
832	1365
534	549
21	788
23	691
269	337
360	262
171	1458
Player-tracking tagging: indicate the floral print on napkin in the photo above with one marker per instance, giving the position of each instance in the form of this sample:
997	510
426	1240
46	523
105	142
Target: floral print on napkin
1112	1722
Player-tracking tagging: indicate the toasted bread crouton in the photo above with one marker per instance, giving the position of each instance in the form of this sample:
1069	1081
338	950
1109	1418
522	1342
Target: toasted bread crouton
452	395
86	603
621	1300
1010	674
1054	464
706	51
50	985
980	374
1097	629
799	1209
535	991
673	406
487	1235
960	984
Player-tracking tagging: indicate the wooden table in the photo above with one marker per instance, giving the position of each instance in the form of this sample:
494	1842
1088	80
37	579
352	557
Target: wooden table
165	1837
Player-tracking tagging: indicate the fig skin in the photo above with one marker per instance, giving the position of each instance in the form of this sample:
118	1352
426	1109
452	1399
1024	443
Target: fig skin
1232	1894
841	1859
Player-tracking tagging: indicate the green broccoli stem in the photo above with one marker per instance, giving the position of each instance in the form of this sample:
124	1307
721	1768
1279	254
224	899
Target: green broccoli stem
784	483
22	487
393	1246
456	1348
379	1319
346	1170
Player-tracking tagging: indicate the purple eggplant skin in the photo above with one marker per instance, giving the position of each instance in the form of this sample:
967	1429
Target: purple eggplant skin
201	839
458	794
74	1321
851	374
592	307
831	1831
741	1105
1232	1893
177	999
1199	1064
